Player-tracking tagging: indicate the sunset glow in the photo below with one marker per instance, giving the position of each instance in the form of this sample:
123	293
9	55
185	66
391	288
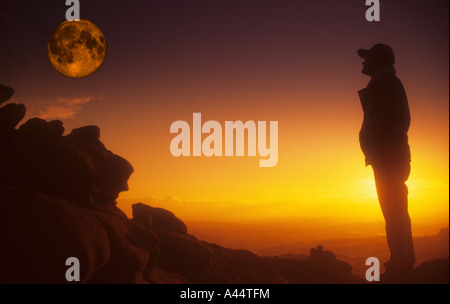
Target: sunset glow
295	64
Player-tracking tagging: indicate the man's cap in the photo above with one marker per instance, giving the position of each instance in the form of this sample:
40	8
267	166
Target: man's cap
379	50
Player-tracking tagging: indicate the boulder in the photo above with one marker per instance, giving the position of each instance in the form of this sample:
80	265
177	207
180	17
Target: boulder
128	258
38	159
158	218
10	116
142	214
38	234
5	93
86	134
183	254
110	171
38	129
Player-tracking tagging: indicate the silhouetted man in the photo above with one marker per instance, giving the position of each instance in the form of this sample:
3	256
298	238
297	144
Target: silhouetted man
384	142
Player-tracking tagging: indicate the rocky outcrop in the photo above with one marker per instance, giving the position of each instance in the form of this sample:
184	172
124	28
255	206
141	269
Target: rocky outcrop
77	167
10	116
58	200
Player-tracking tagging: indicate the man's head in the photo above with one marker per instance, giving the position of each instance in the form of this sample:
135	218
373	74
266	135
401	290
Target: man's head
379	56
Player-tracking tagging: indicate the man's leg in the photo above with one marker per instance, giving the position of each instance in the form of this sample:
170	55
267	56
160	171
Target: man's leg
392	193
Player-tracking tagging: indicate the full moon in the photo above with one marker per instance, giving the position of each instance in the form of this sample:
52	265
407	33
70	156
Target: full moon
76	48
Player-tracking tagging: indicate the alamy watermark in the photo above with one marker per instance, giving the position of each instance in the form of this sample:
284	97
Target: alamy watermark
73	272
73	12
373	12
212	145
373	272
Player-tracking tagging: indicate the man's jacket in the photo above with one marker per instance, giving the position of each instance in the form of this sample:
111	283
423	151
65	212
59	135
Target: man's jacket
383	136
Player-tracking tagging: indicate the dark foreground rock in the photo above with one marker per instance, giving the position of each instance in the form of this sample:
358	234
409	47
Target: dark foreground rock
432	272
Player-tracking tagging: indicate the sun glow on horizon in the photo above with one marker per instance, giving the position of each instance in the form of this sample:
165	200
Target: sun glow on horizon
320	172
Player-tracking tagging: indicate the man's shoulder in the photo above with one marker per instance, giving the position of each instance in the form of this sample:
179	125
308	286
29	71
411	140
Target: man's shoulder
389	81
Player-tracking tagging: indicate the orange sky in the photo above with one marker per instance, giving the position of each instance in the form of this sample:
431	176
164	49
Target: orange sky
292	61
320	172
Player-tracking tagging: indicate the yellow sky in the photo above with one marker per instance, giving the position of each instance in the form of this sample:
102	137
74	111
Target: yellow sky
320	172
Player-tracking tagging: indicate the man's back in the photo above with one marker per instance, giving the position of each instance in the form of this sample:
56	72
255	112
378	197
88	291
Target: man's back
386	119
